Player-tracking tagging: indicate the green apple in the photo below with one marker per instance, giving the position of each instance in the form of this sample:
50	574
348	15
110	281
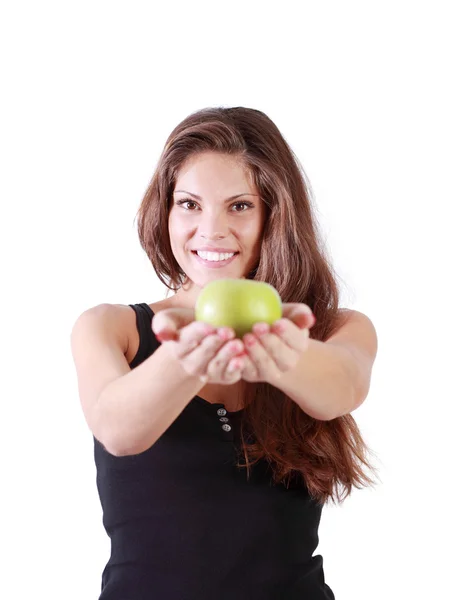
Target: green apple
238	303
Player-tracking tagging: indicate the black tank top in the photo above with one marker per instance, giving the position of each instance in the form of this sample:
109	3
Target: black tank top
186	524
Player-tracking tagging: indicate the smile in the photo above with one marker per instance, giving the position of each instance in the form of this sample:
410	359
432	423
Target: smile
211	259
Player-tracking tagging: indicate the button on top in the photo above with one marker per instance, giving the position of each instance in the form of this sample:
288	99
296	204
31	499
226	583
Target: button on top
222	412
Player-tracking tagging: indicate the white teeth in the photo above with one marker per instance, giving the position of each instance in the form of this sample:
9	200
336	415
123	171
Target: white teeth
215	256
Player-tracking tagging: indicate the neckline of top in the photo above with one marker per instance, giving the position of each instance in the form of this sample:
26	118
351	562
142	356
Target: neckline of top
213	405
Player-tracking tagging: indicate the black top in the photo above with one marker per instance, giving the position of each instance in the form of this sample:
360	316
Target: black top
185	524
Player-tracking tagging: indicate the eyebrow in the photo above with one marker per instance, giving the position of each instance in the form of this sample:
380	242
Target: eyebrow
228	199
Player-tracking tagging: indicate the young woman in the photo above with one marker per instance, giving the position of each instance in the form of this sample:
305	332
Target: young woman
215	455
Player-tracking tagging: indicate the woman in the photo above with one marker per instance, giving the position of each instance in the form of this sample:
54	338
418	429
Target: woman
215	455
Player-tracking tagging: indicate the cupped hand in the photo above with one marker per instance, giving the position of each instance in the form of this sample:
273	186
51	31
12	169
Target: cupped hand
202	350
271	350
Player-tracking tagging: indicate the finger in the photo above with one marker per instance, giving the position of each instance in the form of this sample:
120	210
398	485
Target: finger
264	363
234	370
216	358
199	357
188	339
193	334
299	313
218	367
249	370
195	338
282	355
291	335
167	322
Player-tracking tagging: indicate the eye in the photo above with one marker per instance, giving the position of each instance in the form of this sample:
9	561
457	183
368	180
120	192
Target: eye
180	202
247	204
189	201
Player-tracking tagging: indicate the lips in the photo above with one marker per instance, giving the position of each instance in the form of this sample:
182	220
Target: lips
214	264
217	250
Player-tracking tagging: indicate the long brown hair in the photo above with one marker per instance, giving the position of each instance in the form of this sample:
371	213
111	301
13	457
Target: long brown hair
327	455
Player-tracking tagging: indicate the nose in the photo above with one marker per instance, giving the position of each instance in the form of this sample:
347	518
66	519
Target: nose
213	226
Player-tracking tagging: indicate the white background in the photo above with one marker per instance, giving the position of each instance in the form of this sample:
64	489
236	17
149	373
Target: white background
368	96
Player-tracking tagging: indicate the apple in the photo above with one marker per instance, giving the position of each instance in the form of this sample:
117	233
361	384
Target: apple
238	303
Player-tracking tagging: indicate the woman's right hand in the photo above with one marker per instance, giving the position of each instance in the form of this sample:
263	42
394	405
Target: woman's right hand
203	351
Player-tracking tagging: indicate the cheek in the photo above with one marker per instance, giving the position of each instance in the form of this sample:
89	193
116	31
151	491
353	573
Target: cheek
179	224
176	228
252	234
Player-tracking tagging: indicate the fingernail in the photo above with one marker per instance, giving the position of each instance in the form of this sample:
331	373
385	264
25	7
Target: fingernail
208	329
279	327
236	347
261	328
250	340
164	335
225	334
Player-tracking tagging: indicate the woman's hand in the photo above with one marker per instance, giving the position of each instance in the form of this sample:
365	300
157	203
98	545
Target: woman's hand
202	350
273	350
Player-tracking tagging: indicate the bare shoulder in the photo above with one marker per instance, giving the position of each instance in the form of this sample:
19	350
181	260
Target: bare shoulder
121	319
359	336
115	317
127	322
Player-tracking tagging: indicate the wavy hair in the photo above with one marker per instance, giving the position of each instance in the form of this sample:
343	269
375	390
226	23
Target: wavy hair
328	456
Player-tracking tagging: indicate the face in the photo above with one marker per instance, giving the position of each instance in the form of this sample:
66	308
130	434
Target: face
215	208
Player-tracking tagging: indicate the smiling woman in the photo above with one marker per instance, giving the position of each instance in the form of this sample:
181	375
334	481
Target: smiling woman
266	444
219	230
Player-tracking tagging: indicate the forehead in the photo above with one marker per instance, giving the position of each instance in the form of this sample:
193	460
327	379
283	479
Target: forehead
213	167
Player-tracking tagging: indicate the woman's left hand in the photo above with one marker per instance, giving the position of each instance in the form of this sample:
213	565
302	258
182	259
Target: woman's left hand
271	350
